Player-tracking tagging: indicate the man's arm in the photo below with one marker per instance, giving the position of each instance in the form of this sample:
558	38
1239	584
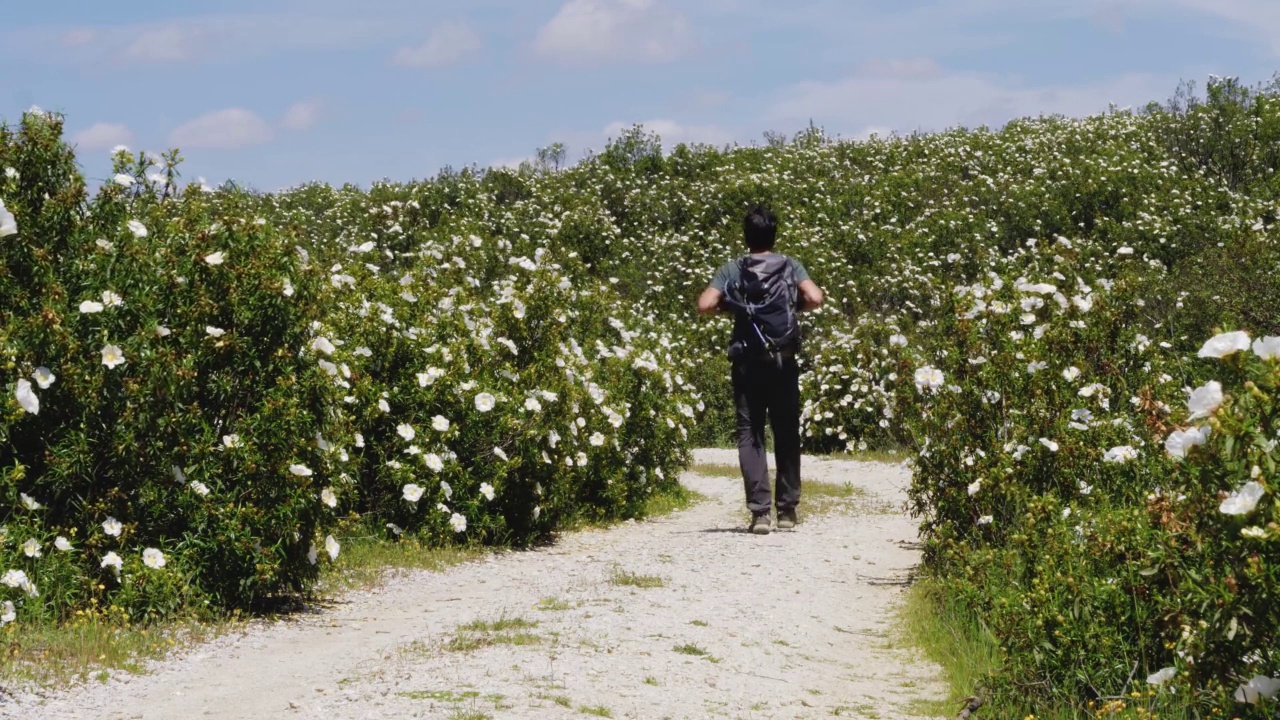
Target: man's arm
810	295
709	301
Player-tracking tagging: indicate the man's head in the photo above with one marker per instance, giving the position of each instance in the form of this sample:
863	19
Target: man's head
760	229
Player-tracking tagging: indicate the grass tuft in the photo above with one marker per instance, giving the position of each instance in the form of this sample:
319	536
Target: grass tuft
624	578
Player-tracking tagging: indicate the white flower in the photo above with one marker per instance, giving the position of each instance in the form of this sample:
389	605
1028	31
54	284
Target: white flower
111	299
485	402
405	431
447	489
502	454
324	345
1036	366
1225	344
287	288
440	423
27	397
1260	687
1253	533
395	528
312	554
1120	454
458	523
89	307
216	258
62	544
986	520
928	378
332	547
112	356
383	405
486	490
300	470
1267	348
1071	373
138	229
596	439
198	488
8	224
1085	488
231	441
532	405
123	180
1124	251
434	462
1053	446
112	527
328	498
7	612
153	558
1162	676
162	331
212	331
975	486
113	561
412	492
31	548
897	341
1243	501
43	377
1205	400
29	502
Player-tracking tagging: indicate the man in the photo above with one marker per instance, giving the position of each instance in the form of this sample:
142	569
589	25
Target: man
766	379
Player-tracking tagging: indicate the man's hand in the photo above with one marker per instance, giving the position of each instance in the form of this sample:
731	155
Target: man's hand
811	295
709	301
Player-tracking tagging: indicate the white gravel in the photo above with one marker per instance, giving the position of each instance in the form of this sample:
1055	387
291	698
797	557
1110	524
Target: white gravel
796	624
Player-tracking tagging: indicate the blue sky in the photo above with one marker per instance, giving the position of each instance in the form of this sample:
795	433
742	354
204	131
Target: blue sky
276	92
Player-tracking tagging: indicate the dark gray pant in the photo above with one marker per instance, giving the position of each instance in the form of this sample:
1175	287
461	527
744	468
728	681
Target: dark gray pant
762	389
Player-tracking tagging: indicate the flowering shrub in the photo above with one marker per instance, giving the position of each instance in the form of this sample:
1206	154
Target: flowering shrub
199	391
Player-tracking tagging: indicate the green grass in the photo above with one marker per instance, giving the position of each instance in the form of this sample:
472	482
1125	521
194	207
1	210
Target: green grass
951	635
624	578
651	680
561	700
366	557
553	604
53	656
691	649
598	711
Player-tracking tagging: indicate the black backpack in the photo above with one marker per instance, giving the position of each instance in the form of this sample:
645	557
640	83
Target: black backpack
764	302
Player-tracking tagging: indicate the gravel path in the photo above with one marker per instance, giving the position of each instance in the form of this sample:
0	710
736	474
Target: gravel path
796	624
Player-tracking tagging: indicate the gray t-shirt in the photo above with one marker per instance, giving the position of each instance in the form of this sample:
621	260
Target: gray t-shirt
729	273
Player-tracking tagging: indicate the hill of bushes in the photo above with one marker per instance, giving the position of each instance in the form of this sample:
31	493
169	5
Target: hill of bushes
1069	323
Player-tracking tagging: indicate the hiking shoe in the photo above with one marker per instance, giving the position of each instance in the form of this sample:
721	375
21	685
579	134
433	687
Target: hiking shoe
786	519
759	524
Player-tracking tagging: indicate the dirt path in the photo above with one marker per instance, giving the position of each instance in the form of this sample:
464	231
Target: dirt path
796	624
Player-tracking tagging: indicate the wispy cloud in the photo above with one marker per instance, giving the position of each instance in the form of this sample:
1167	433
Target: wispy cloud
302	115
101	136
230	129
897	97
586	32
449	44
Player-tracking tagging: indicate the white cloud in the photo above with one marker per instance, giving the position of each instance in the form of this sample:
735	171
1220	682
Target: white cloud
585	32
449	44
301	115
228	129
77	37
673	133
880	100
102	136
166	43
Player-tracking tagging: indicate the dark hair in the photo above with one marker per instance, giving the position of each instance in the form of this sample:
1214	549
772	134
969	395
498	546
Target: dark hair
760	228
